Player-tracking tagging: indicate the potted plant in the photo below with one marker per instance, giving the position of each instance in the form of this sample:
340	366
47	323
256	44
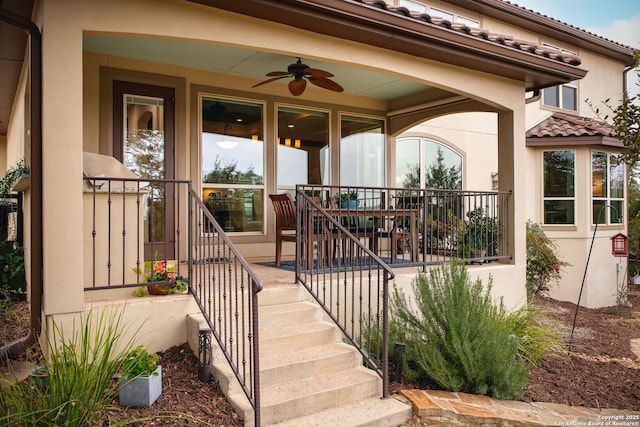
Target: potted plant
141	380
164	274
480	234
347	199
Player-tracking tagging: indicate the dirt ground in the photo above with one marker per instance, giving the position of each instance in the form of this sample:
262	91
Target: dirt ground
600	371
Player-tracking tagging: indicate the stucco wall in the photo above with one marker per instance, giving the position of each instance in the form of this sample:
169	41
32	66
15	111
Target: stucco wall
72	126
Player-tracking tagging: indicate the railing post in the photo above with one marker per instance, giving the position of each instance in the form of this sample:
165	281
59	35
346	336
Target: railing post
385	335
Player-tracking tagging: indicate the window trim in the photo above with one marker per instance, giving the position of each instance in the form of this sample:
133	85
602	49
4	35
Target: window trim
572	85
565	198
422	156
263	103
608	199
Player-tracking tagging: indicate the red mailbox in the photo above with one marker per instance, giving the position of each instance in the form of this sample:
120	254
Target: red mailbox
619	245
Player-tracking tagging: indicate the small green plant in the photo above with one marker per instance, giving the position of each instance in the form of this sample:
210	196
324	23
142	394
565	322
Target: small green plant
456	336
12	272
162	273
80	368
543	263
11	177
346	196
139	363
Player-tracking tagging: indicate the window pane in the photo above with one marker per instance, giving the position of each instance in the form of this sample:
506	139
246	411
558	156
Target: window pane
413	6
441	14
617	213
303	147
233	163
443	167
597	206
599	174
232	147
472	23
551	96
361	151
408	163
559	170
236	209
569	101
558	212
617	177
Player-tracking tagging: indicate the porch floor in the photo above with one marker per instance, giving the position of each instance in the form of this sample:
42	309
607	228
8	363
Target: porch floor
274	277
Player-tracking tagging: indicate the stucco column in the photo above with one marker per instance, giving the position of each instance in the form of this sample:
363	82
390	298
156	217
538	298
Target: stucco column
62	160
512	177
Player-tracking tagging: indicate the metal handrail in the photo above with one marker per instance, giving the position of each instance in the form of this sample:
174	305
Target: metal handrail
220	275
364	324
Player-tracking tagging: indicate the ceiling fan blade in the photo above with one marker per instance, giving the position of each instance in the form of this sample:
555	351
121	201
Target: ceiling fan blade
278	73
313	72
269	81
296	87
326	84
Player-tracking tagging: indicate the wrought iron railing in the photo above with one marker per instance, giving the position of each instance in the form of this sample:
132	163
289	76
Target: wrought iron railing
347	279
422	226
129	222
226	290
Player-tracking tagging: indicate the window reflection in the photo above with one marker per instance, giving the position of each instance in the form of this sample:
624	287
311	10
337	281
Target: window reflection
303	147
233	163
361	151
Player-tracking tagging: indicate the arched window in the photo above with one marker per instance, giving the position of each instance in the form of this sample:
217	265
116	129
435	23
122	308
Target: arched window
425	163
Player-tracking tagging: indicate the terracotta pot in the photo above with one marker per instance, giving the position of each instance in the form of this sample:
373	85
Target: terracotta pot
158	289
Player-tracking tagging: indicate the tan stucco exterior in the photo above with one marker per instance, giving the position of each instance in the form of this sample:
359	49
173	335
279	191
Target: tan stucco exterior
76	119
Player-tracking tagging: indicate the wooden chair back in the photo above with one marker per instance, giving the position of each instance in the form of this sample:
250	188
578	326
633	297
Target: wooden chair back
285	209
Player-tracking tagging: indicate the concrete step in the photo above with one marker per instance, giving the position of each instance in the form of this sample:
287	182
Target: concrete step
284	366
282	295
370	412
291	313
293	399
298	336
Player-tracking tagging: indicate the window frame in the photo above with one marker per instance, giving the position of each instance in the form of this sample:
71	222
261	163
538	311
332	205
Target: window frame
565	198
559	89
607	199
422	154
227	186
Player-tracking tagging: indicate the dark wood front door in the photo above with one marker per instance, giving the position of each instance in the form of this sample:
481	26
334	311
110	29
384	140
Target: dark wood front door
143	129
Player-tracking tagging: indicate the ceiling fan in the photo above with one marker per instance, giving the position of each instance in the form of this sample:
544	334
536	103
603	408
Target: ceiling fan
300	72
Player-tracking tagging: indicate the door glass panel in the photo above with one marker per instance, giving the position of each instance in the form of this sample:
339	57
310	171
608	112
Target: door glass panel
143	146
233	163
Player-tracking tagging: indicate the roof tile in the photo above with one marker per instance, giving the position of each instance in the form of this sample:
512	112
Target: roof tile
510	41
560	124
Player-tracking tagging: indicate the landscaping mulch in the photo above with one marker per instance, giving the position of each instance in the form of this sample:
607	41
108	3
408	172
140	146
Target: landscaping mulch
600	372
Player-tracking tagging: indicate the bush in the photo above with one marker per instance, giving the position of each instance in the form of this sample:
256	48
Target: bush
543	263
457	336
80	370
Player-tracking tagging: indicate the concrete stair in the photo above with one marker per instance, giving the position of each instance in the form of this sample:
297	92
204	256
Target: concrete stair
309	376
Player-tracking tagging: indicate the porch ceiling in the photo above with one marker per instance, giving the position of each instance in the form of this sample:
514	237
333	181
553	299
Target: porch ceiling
13	42
249	64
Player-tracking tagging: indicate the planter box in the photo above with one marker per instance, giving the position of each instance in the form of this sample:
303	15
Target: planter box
142	391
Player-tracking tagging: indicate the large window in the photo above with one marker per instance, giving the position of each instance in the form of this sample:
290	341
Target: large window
303	147
233	163
559	187
607	187
361	151
423	163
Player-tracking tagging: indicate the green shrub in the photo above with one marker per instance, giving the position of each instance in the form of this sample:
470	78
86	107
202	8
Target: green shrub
457	336
12	273
543	263
80	370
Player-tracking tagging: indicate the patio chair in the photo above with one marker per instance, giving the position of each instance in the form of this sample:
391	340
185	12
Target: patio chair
403	233
285	209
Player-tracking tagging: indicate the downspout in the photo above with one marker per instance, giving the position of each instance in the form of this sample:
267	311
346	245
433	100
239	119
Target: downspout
35	79
534	97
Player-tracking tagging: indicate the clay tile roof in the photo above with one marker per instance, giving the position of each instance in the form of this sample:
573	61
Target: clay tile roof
560	124
505	40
